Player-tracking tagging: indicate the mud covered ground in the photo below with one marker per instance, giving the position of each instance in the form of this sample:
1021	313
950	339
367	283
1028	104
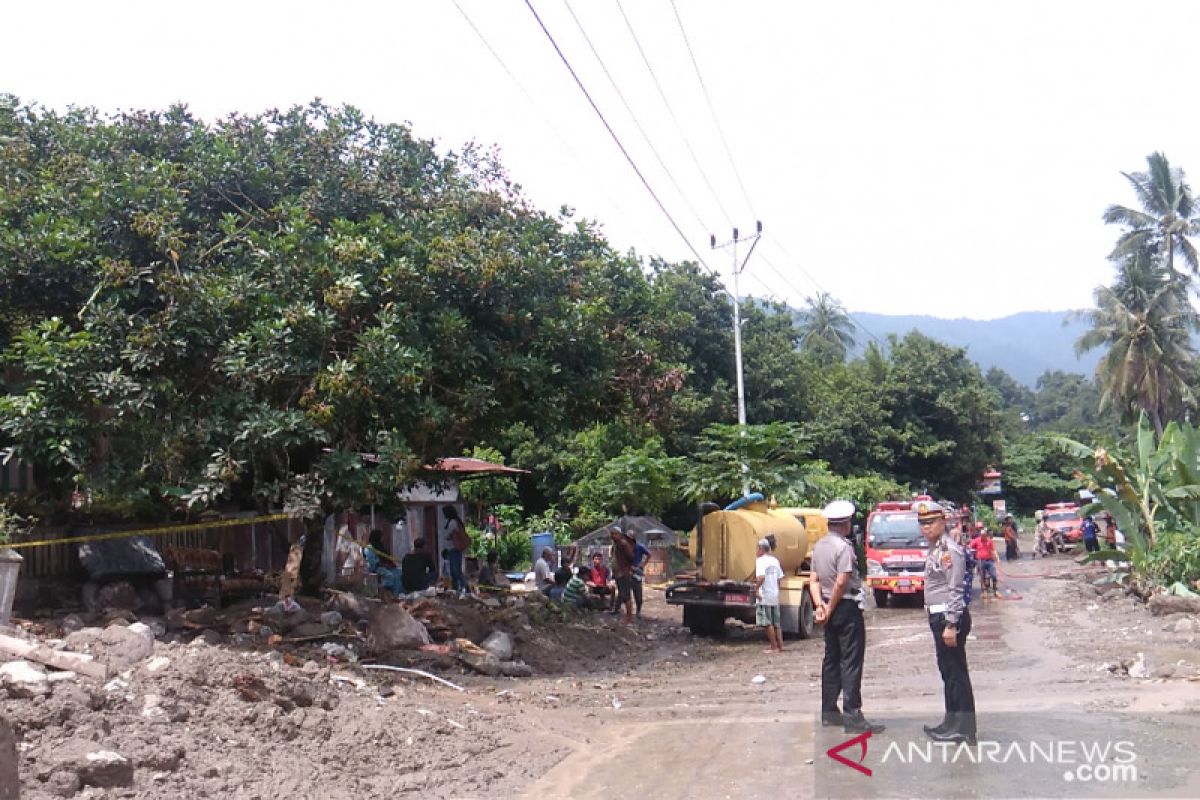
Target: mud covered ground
619	711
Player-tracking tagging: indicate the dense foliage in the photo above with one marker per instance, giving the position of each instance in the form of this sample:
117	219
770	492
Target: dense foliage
196	314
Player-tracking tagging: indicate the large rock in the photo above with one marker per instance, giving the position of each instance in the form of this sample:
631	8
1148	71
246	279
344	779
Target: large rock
499	644
393	628
123	646
91	763
23	679
353	606
283	619
10	784
1163	604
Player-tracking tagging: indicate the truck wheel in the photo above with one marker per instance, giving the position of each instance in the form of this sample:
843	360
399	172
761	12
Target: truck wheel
806	617
704	621
881	598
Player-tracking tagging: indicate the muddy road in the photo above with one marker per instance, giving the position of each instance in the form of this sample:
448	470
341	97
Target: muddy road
1058	714
1079	694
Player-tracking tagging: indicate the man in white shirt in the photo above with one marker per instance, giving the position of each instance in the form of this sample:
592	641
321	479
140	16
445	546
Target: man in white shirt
543	575
767	573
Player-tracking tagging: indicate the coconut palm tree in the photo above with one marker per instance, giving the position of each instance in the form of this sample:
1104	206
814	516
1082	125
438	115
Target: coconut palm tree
1146	321
825	325
1168	215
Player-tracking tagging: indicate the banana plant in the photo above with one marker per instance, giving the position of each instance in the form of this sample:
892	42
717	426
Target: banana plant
1154	489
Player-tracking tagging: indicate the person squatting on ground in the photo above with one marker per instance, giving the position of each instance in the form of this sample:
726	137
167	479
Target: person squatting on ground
575	593
598	579
950	623
838	599
543	573
417	568
380	562
488	575
460	543
767	574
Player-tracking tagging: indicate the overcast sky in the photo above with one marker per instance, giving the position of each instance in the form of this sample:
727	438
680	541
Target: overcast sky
951	158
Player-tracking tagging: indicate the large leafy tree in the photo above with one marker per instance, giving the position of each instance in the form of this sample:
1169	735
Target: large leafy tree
1145	320
943	418
1067	402
238	310
1166	220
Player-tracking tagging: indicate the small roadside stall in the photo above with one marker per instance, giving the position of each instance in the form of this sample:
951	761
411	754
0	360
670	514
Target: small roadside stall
418	515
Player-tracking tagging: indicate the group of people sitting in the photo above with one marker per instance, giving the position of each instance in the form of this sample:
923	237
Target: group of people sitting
593	585
415	572
590	585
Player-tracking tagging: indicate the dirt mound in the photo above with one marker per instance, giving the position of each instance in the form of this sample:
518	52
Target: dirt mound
203	721
215	708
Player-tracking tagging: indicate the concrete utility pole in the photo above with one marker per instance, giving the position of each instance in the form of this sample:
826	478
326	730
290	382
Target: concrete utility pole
737	329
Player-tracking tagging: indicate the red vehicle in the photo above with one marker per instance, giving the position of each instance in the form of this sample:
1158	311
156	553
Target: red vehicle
1064	519
896	552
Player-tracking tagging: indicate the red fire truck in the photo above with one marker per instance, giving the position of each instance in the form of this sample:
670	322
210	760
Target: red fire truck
896	551
1064	518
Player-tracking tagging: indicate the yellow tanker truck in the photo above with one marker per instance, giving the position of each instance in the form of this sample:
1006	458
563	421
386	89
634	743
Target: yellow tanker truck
724	545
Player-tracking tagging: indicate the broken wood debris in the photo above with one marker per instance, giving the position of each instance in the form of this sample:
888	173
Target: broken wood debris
59	659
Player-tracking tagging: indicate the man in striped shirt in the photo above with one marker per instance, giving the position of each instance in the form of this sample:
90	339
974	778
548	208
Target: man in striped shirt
575	594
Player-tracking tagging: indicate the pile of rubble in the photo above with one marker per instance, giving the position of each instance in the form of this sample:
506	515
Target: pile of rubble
207	701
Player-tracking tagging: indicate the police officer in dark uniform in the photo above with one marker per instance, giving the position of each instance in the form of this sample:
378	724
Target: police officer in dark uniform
950	622
838	601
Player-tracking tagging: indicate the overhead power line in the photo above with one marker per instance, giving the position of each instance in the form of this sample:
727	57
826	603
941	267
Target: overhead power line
712	108
616	139
671	111
778	272
633	115
547	118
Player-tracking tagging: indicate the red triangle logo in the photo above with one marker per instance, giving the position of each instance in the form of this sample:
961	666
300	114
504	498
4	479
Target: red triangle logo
835	753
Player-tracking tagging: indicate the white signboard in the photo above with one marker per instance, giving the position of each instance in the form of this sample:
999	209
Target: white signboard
422	492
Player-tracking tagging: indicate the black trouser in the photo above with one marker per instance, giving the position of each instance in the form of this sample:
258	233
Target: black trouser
841	671
956	680
1092	544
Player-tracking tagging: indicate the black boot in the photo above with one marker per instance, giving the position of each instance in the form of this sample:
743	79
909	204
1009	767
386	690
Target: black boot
855	722
959	730
939	728
831	718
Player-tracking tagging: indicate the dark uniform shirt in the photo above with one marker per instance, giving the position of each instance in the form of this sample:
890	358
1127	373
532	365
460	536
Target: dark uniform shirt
945	569
832	556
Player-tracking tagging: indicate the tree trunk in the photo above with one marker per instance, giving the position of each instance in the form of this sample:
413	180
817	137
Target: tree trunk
311	575
1156	420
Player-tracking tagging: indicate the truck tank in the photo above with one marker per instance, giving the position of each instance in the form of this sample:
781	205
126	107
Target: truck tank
724	543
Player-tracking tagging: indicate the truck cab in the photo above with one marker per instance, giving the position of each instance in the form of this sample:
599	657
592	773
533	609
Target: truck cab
895	551
1064	518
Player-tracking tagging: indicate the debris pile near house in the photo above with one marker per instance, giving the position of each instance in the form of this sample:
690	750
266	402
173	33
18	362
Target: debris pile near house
262	700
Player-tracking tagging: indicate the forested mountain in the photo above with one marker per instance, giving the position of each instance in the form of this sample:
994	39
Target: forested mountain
1024	345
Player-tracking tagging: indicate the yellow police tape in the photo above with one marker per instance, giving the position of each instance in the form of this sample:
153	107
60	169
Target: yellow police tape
161	531
377	552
